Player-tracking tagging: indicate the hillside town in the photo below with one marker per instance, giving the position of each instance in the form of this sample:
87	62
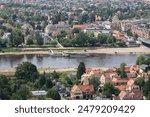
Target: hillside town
38	37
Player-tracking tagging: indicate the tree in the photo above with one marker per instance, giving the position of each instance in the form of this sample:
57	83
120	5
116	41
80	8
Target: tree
146	89
123	73
129	33
109	89
63	33
29	42
64	79
53	42
111	40
55	75
140	60
26	71
5	90
3	43
52	93
22	94
39	40
82	39
42	80
95	82
16	37
140	82
84	18
49	83
75	30
81	70
102	39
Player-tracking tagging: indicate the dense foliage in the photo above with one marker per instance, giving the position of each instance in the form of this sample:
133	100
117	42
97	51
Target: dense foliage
88	40
81	70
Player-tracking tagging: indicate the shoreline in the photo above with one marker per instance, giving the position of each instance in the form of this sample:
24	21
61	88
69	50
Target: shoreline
97	51
11	71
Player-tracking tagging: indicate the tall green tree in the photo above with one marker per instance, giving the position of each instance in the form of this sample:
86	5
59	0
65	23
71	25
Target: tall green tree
102	39
5	90
49	83
55	75
140	60
81	70
53	94
26	71
95	82
22	93
146	89
123	73
17	37
140	82
109	89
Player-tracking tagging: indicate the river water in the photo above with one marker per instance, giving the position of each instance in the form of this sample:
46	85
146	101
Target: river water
47	61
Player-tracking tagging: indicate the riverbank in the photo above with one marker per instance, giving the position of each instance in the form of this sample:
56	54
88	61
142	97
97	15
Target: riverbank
11	71
133	50
92	51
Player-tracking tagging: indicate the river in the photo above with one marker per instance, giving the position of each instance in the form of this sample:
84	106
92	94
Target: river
46	61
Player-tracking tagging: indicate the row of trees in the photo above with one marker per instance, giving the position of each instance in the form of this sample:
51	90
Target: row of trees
88	40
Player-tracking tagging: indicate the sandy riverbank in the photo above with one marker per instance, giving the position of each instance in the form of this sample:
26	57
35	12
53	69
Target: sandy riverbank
133	50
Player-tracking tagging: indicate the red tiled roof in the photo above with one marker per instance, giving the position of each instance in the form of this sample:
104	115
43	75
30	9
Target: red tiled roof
108	74
131	95
120	80
83	88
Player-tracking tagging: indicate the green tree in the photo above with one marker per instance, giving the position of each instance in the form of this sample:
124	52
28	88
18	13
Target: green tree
109	89
5	90
26	71
146	89
81	70
95	82
52	93
111	40
75	30
49	83
42	80
55	75
140	60
63	33
22	93
84	18
140	82
29	42
39	40
53	42
17	37
82	39
129	33
102	39
123	73
64	79
3	43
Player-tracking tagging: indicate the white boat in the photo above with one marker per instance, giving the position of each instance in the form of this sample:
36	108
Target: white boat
58	54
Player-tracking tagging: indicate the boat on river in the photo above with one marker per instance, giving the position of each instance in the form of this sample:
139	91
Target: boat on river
78	54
